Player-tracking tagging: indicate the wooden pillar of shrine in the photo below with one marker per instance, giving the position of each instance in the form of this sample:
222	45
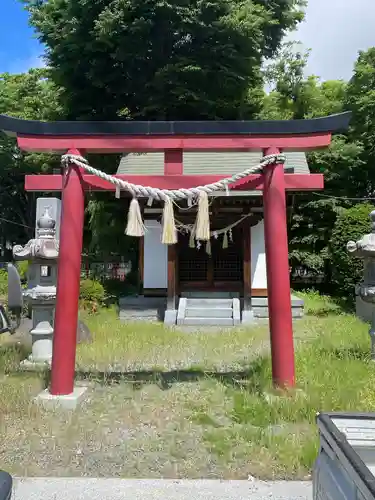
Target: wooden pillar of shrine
171	311
141	251
246	241
141	259
173	165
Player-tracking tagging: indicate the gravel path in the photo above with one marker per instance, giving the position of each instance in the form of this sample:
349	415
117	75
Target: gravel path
133	489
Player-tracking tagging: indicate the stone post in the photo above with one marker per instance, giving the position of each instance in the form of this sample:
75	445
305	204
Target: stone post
365	249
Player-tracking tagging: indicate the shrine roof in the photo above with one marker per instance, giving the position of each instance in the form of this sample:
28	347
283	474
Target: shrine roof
333	123
206	163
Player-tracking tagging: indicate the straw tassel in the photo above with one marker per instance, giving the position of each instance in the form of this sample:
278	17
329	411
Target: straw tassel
169	236
225	241
208	247
135	226
203	218
191	240
192	236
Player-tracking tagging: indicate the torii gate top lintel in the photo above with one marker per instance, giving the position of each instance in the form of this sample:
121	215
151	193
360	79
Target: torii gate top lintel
142	136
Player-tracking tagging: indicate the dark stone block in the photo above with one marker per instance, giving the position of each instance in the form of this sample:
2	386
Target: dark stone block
83	333
6	484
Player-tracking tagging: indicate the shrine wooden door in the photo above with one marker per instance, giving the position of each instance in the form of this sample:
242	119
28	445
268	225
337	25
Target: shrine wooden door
221	269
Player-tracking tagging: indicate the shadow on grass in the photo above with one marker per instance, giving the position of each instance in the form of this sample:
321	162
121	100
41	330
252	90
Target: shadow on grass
338	306
347	304
251	377
349	353
321	313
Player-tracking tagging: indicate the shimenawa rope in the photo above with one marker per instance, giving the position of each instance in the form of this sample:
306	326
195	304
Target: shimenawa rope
135	226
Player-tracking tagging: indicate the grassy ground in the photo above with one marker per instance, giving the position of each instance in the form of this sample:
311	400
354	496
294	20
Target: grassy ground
151	346
211	419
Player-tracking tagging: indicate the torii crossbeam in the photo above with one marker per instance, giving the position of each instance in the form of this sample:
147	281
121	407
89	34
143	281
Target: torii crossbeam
270	137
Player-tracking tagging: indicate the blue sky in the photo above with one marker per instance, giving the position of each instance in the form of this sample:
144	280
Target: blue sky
334	30
19	50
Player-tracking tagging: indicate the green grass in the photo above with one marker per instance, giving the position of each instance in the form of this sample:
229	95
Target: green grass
120	346
218	426
334	373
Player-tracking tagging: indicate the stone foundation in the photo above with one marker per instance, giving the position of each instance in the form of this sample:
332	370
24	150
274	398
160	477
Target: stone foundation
260	307
364	310
142	308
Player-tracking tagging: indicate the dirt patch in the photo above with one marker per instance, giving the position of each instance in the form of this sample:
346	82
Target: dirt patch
129	431
119	431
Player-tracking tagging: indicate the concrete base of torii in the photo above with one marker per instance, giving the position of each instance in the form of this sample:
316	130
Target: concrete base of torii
63	401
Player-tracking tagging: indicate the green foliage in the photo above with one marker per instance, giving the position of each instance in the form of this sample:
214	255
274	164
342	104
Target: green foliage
106	220
3	284
360	98
92	294
309	232
23	267
314	215
347	171
30	96
351	225
294	96
115	288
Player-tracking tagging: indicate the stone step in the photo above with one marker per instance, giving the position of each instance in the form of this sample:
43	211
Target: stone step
139	309
138	314
141	302
206	321
209	303
204	312
210	295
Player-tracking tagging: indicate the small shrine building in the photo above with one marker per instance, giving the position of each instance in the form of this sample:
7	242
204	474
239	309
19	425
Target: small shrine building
237	244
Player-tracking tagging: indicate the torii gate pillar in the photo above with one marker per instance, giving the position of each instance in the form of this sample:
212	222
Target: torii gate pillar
278	278
68	282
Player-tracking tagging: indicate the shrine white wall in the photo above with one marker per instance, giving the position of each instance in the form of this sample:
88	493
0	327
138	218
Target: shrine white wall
258	257
155	257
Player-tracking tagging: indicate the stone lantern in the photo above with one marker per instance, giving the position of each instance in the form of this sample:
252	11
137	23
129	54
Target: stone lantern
42	254
365	291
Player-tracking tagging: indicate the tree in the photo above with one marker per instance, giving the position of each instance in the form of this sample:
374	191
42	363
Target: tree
30	96
166	60
294	95
169	60
351	225
360	99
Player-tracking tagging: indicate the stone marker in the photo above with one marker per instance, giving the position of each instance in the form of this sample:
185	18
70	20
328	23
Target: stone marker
365	249
42	254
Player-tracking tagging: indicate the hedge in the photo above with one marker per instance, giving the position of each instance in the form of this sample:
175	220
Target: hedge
347	271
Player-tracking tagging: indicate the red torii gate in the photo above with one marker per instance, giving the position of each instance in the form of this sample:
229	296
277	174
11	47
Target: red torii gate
271	137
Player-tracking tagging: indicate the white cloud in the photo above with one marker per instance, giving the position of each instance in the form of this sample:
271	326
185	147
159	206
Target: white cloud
335	31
